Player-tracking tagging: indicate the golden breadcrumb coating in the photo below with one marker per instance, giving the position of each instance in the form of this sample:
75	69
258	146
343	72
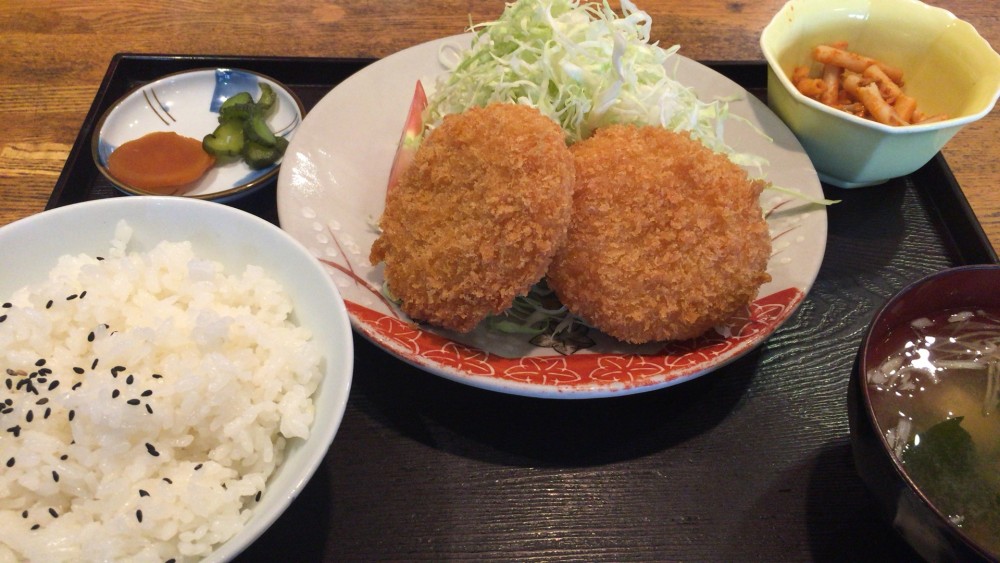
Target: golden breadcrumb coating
667	237
477	216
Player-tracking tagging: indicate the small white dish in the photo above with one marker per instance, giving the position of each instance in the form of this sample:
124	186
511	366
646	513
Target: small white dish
332	188
187	103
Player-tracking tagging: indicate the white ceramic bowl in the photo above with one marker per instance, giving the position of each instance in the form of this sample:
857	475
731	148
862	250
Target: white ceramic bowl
234	238
187	103
948	67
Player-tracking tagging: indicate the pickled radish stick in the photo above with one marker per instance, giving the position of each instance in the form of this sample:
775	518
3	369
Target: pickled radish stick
859	85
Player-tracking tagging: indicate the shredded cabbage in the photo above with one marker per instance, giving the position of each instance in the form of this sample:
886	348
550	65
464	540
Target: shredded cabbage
583	66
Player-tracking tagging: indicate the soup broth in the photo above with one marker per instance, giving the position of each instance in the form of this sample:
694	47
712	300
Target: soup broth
935	397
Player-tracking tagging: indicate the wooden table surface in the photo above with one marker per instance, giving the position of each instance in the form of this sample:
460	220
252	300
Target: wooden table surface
53	55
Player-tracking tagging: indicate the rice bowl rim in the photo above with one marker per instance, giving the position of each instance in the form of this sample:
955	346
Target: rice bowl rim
32	246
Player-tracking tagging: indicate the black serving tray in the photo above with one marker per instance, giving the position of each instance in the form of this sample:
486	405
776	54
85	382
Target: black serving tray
751	462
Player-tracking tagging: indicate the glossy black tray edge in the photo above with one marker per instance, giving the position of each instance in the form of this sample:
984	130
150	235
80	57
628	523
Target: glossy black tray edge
939	189
951	208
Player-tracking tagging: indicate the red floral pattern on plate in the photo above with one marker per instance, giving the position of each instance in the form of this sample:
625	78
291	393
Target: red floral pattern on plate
586	370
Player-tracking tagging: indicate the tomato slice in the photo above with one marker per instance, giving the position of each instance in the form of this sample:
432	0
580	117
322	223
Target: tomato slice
409	140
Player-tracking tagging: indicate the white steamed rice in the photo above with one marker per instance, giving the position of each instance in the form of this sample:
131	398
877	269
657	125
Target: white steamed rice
147	398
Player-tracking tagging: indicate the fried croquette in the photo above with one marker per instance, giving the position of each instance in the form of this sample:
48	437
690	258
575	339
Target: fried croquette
667	238
477	216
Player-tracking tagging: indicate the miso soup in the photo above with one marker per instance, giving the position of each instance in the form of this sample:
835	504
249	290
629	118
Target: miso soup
935	398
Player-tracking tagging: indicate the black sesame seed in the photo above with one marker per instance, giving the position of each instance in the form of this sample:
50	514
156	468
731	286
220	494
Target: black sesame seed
149	409
55	476
71	297
115	393
15	430
29	416
40	362
171	560
45	371
78	370
99	258
8	401
7	305
138	515
42	401
257	496
64	457
3	318
157	376
7	410
91	336
130	379
168	481
152	450
9	383
49	304
10	462
197	467
53	512
36	526
24	514
72	413
94	365
146	393
116	370
76	385
143	493
54	384
83	294
48	411
133	402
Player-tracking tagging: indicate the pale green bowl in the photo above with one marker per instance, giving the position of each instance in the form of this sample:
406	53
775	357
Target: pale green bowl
948	67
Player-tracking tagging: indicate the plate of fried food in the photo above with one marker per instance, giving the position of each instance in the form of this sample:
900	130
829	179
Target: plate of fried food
557	208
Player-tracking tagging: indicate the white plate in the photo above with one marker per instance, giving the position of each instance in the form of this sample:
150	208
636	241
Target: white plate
332	187
187	103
